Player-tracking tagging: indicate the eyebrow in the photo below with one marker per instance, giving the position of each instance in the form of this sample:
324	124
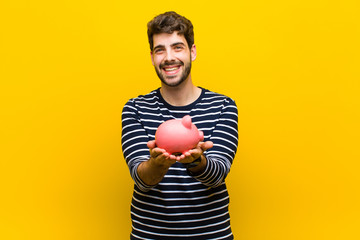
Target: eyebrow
177	43
172	45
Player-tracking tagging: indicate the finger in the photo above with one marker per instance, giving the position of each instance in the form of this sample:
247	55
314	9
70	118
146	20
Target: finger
190	155
156	152
162	157
187	154
195	151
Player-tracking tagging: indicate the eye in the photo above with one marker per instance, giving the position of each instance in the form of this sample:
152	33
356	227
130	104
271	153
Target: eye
159	50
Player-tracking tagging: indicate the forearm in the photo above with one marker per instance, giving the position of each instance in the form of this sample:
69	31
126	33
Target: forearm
151	173
200	167
214	173
219	158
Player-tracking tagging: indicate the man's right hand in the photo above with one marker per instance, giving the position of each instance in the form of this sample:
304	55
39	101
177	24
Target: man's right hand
160	157
153	170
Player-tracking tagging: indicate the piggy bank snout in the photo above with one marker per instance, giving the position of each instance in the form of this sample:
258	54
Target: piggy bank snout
201	135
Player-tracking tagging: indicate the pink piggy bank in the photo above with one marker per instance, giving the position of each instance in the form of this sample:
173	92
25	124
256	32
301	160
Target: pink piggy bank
178	136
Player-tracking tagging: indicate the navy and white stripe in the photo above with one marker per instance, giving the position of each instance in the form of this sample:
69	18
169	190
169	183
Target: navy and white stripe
182	205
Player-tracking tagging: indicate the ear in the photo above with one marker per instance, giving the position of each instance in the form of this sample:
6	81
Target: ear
152	60
193	52
186	121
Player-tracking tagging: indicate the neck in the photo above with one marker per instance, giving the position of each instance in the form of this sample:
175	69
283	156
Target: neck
182	95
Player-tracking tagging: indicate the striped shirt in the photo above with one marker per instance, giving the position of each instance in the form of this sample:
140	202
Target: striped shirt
183	205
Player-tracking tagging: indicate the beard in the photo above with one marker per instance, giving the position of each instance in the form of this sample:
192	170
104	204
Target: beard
184	75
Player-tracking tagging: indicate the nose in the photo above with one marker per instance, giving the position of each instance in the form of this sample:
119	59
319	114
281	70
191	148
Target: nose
169	55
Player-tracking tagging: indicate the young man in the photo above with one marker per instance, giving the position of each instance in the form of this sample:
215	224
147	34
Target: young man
179	197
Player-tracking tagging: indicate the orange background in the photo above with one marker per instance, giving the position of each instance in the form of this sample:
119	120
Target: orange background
68	67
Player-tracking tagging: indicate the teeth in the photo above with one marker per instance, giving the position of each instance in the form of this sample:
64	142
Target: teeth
171	69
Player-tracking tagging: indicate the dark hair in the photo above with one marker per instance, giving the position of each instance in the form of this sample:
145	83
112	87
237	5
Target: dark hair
169	22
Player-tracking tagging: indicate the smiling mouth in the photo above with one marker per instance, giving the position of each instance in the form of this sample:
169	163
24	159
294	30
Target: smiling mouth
171	70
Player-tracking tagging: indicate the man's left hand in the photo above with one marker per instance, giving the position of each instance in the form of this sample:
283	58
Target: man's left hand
195	153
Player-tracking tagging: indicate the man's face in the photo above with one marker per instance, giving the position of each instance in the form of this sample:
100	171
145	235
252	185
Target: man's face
172	58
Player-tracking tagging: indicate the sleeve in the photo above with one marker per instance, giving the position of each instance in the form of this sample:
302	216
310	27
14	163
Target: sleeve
220	156
134	142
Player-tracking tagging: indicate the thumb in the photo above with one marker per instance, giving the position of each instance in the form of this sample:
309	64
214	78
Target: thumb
151	144
206	145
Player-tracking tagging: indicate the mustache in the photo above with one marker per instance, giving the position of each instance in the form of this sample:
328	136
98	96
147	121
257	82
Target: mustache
162	65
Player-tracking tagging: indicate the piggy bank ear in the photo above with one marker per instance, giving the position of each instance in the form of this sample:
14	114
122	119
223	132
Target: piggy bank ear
186	121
